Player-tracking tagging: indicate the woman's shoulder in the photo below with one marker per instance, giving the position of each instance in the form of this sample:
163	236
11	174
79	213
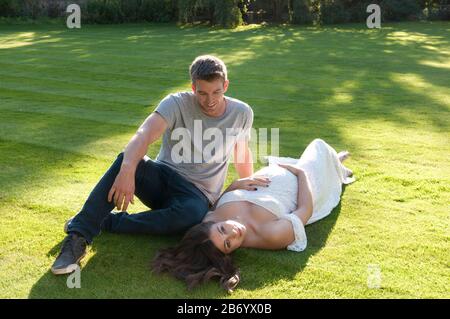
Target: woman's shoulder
274	235
209	217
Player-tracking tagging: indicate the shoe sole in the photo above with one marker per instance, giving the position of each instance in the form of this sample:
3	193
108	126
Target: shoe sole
69	269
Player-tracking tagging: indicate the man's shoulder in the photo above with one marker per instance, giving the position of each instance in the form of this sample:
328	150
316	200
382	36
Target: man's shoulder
240	106
181	96
174	103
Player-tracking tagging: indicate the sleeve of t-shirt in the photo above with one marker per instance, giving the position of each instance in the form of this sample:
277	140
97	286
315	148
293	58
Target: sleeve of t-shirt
167	108
248	123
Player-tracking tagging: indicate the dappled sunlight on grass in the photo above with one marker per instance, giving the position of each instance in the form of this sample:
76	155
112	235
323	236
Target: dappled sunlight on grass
441	50
342	98
343	93
416	84
247	28
17	40
238	59
405	38
436	64
70	106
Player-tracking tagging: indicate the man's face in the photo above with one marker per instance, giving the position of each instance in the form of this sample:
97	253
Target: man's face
210	96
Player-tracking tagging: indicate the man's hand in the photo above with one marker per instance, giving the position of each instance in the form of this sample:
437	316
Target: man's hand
122	190
249	183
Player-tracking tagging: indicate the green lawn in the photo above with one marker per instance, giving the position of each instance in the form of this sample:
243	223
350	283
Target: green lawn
71	99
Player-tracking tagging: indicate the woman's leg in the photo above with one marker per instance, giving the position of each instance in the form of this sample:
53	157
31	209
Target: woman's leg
343	155
318	151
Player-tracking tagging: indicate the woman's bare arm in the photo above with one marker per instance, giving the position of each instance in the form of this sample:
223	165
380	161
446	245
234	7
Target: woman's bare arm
279	233
304	201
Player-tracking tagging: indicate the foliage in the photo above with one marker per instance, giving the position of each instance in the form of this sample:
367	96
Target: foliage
230	13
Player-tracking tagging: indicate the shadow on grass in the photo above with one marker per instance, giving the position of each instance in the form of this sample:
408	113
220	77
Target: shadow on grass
297	79
117	266
261	268
120	261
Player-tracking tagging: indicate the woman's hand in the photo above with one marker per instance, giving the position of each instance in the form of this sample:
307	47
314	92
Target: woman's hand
293	169
249	183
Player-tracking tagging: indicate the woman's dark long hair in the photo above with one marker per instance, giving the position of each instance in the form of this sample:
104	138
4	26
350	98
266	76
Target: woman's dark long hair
196	260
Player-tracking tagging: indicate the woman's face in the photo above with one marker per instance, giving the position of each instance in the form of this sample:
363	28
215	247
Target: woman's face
228	235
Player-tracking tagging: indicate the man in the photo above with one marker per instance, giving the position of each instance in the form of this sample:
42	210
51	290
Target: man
185	179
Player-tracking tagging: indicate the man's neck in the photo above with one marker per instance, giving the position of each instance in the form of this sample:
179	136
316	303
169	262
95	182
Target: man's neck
220	111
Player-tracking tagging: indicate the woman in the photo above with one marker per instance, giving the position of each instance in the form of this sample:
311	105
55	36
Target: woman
267	211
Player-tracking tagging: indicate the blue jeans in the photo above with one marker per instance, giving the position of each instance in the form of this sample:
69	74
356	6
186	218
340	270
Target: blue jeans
176	203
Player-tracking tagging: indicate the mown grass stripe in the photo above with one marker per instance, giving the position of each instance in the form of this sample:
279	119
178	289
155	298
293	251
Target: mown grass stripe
368	91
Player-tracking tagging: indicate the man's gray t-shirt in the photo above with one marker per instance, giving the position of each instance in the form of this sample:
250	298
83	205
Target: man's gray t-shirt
198	146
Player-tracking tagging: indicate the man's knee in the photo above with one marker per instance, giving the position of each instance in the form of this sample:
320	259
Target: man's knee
187	214
119	158
139	167
197	209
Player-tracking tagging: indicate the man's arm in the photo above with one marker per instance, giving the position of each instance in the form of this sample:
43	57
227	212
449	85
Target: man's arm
243	159
152	128
123	188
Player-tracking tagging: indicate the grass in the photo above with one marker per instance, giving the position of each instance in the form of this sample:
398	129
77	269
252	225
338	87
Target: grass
71	99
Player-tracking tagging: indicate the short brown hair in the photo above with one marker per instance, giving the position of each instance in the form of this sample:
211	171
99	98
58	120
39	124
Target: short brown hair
208	68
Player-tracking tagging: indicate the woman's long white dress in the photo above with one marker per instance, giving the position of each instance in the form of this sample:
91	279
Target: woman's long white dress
325	174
